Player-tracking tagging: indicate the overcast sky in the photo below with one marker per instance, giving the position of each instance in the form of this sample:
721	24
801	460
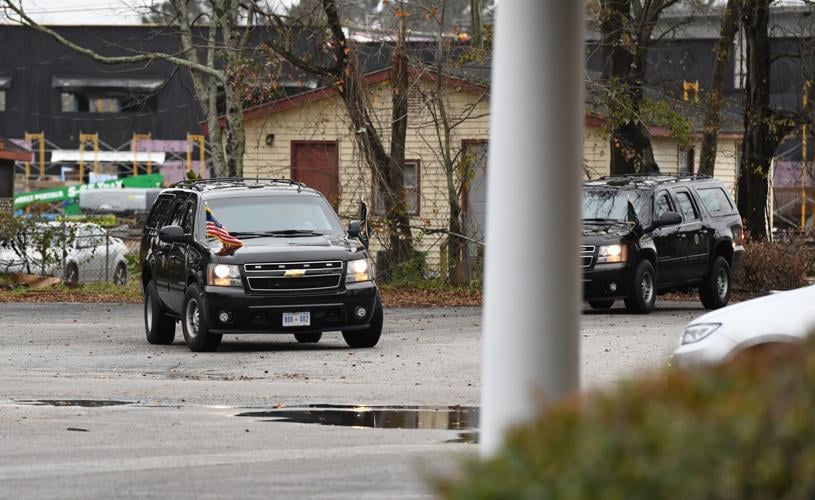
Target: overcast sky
90	11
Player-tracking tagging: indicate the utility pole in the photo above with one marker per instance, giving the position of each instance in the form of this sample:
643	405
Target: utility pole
532	292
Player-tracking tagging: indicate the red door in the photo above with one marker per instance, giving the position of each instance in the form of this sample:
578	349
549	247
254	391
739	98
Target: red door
317	164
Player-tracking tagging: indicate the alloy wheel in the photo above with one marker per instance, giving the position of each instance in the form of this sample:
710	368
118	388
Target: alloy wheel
193	318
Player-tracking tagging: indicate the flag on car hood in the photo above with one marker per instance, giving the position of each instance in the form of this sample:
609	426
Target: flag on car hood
219	232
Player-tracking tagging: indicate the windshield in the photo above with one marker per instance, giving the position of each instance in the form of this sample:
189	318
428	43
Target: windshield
612	204
283	215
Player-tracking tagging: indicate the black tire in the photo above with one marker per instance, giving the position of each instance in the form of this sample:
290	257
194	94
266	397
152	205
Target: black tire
72	275
159	328
601	304
643	289
194	323
370	336
120	274
308	338
714	292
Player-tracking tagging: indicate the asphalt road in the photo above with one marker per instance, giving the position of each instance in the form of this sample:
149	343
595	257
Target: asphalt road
168	424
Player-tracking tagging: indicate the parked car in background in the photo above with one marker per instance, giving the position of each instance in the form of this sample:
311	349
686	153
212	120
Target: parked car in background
79	253
780	319
649	234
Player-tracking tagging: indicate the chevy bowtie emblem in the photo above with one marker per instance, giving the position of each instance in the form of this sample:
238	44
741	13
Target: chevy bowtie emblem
294	273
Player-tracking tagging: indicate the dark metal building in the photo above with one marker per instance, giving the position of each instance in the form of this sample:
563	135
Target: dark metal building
45	87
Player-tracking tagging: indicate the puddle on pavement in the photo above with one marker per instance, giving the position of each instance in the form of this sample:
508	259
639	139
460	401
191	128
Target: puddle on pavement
470	437
454	418
82	403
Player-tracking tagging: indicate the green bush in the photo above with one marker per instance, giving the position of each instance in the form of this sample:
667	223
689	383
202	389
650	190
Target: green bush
743	431
410	272
773	266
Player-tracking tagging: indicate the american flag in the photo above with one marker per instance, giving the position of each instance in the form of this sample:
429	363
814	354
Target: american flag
216	230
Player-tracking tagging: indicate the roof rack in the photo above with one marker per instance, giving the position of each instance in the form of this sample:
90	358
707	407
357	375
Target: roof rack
654	177
228	182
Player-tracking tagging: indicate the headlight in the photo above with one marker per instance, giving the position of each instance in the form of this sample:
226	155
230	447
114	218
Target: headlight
358	270
695	333
224	275
612	253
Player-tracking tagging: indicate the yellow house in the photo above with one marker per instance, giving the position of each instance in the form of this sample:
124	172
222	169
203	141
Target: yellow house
670	155
308	137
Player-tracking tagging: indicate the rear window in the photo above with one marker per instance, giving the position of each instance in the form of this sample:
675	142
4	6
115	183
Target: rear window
715	201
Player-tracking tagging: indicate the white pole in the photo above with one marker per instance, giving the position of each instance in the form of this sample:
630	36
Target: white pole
532	279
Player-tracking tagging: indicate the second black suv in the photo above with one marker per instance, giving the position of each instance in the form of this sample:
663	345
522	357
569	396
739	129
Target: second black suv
255	256
649	234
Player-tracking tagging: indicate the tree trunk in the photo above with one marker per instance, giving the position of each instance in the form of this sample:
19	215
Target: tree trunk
713	101
625	56
477	24
760	139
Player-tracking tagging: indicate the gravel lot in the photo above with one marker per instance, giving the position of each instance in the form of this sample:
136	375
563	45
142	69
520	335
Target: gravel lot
178	434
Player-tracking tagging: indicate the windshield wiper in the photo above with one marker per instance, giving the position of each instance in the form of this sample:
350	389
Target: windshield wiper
601	219
248	234
293	232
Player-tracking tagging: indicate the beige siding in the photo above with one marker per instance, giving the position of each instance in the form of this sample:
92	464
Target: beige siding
596	152
326	120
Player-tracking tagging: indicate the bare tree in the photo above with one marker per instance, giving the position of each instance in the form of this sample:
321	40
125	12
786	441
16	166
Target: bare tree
339	65
627	28
722	52
212	61
445	120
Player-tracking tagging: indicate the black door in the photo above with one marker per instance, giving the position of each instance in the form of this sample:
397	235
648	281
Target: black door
670	257
693	236
177	258
167	258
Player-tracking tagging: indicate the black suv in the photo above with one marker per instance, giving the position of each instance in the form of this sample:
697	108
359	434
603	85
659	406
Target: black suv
255	256
650	234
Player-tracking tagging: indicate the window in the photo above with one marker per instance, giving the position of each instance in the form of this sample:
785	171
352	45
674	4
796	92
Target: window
686	207
158	213
109	101
686	161
412	190
263	214
716	201
189	217
662	205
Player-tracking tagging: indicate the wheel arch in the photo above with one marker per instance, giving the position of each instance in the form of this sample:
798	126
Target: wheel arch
724	247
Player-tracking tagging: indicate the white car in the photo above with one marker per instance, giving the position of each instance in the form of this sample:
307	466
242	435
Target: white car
91	255
784	318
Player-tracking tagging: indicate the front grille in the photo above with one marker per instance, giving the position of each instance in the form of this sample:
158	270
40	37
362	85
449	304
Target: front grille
586	255
304	283
283	276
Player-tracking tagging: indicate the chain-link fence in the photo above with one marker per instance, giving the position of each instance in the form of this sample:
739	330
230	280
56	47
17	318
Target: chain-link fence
76	252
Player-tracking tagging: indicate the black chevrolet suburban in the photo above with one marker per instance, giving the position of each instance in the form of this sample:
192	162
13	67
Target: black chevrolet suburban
649	234
255	256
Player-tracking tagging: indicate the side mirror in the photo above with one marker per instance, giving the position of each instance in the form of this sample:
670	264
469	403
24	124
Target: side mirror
173	234
668	219
359	228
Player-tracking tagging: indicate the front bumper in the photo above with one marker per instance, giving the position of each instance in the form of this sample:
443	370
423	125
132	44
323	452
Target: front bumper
712	350
263	313
607	281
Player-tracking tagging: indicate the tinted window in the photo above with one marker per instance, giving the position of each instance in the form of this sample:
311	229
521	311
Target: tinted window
179	212
663	204
159	212
715	200
189	217
686	207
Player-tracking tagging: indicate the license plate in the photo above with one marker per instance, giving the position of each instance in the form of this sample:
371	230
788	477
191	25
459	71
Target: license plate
297	319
